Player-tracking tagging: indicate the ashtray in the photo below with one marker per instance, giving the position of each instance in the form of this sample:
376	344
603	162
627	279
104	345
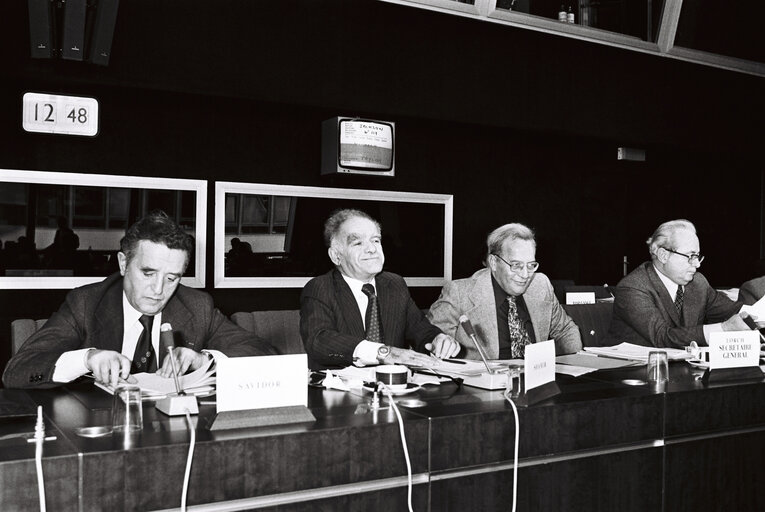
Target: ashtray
93	431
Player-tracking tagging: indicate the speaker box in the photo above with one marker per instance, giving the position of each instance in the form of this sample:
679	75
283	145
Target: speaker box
73	32
102	31
42	29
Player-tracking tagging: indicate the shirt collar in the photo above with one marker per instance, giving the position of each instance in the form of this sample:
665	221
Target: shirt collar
669	284
132	315
355	285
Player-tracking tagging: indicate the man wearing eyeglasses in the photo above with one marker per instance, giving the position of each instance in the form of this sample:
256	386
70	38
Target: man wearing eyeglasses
509	303
666	302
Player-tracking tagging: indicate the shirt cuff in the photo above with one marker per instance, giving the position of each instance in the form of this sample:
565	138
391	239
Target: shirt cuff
365	353
710	328
71	365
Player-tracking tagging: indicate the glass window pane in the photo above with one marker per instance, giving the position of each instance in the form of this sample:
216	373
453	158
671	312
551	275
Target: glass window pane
734	29
638	18
89	205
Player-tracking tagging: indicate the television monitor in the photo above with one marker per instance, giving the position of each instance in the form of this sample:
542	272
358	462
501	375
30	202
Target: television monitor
358	146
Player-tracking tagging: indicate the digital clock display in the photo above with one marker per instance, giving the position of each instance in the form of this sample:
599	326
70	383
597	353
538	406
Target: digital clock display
67	115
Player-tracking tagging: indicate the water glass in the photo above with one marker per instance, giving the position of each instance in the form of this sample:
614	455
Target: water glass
658	367
127	410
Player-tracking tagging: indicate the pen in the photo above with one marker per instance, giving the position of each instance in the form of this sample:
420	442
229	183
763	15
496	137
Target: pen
455	361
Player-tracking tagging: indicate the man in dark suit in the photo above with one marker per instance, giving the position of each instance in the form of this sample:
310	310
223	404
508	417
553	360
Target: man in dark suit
112	328
358	314
509	304
666	302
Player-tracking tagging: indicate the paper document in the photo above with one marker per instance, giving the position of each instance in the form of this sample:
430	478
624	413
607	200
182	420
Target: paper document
637	352
594	362
574	371
757	310
199	381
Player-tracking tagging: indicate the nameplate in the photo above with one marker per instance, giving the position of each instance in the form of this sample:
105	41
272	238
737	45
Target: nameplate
262	382
539	365
734	349
580	298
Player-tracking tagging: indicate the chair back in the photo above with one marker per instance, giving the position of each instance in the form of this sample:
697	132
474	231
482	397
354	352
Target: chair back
280	328
593	321
22	329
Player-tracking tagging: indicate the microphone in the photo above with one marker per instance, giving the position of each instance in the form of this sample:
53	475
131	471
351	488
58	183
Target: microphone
167	343
468	327
180	403
166	339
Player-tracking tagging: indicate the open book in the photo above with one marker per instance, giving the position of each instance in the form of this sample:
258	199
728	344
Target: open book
199	382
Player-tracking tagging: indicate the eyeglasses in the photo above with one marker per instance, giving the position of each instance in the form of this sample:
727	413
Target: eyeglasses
692	258
518	266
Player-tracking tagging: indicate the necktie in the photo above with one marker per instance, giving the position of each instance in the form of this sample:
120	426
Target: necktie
679	302
372	317
519	337
144	359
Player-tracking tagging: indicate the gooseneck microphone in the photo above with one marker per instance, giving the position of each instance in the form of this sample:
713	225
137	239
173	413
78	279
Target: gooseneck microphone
468	327
167	344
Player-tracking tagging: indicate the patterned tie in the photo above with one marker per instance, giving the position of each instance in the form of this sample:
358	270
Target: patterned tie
679	302
372	317
144	359
519	337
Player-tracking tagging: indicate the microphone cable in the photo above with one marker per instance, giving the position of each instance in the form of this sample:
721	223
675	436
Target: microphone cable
506	394
403	443
39	439
192	442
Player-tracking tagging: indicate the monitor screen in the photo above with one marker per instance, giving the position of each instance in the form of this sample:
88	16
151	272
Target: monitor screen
366	144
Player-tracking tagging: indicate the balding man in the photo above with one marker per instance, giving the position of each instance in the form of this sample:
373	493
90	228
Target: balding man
666	302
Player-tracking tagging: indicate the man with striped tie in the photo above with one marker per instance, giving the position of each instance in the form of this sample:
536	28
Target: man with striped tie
359	314
666	302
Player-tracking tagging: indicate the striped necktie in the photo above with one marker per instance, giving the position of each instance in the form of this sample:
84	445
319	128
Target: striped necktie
679	302
372	317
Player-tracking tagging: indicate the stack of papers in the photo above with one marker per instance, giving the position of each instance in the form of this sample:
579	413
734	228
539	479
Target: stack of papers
199	382
637	352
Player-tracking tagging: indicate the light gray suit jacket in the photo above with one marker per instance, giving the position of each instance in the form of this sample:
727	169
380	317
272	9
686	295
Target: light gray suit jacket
474	297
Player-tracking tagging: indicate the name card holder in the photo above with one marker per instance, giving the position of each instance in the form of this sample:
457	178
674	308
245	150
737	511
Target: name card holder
733	355
261	417
262	391
538	379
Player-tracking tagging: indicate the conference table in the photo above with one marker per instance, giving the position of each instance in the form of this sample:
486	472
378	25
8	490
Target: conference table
600	444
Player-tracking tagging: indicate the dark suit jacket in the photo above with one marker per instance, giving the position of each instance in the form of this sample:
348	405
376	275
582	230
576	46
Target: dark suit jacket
91	316
645	314
752	291
474	297
331	325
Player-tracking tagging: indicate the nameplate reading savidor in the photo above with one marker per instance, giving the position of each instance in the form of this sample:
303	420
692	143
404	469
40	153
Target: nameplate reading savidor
262	382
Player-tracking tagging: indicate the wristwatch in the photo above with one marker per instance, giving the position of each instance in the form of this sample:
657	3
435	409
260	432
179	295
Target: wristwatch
382	353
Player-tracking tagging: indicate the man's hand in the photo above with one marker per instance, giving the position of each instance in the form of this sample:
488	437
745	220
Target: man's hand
108	366
408	357
443	346
185	359
735	323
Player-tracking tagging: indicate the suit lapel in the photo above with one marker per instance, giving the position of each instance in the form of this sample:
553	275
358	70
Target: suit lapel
535	304
179	317
666	301
349	308
386	301
482	313
109	319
